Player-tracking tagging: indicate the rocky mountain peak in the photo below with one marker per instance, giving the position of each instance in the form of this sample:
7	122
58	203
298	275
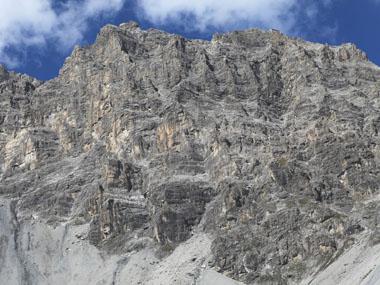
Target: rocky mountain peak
131	25
254	155
4	75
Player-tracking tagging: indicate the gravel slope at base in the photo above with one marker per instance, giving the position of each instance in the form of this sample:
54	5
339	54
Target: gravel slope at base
358	266
62	255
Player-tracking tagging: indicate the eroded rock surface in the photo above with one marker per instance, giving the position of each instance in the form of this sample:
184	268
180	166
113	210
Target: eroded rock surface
266	144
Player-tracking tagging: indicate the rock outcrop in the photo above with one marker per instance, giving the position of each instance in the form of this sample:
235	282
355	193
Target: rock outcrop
262	149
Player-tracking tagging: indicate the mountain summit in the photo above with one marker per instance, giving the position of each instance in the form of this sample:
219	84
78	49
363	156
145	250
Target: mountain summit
154	159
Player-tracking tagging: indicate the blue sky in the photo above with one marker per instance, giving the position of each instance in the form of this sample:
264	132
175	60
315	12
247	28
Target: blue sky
37	35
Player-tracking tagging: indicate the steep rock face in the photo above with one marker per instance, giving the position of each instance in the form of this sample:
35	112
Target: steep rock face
266	143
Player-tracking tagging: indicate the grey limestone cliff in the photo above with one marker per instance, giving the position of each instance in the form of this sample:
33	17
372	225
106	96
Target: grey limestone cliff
154	159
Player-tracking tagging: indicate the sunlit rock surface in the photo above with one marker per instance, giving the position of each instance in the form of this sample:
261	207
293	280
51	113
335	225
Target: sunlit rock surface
153	159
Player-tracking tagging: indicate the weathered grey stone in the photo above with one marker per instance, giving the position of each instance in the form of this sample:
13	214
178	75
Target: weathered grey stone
268	144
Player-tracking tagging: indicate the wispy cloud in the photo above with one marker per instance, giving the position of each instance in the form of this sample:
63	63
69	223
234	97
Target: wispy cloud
25	23
295	17
208	14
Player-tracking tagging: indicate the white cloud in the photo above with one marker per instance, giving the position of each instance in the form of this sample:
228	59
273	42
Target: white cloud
25	23
221	13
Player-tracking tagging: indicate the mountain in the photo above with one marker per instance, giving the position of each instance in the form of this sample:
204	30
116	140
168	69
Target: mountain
155	159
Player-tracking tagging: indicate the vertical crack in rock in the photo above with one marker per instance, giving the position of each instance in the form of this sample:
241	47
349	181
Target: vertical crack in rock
119	266
24	273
